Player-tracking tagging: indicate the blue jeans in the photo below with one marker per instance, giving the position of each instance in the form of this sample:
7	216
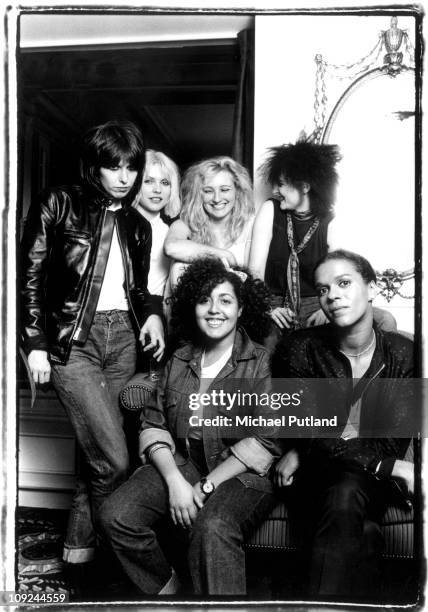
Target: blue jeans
88	386
129	517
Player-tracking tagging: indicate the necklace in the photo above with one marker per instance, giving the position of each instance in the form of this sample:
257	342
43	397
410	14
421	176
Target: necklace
363	352
303	216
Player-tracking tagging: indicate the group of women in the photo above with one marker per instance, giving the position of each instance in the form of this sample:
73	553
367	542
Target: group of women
213	267
218	218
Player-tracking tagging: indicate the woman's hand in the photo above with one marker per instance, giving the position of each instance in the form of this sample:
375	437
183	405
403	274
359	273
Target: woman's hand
285	468
39	365
317	318
153	328
184	503
283	317
405	470
199	496
180	247
229	257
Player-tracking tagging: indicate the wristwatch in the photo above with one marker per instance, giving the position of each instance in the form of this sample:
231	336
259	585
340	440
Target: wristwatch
207	486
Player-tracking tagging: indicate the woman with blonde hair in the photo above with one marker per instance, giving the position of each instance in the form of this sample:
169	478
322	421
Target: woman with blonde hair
217	214
159	202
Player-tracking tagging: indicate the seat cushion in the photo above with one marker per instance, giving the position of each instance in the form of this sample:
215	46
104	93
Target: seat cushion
277	533
137	391
397	528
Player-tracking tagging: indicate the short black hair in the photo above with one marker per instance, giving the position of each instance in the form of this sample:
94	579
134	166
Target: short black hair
199	279
360	263
106	145
306	162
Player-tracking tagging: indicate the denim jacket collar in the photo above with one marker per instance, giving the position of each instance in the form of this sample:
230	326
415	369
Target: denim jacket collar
243	349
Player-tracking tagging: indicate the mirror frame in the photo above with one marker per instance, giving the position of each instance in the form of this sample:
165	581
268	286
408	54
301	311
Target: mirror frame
390	280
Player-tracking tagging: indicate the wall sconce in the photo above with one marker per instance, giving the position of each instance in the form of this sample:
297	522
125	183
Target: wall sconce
390	282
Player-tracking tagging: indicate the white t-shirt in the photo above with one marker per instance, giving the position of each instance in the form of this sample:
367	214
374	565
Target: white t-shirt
159	262
208	373
239	247
112	294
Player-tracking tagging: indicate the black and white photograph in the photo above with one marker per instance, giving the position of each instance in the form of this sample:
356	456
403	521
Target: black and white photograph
212	306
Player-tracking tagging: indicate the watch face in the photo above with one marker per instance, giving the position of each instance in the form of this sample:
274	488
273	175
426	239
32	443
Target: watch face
207	487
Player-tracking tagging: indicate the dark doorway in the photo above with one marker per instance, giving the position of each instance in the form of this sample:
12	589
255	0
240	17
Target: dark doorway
182	95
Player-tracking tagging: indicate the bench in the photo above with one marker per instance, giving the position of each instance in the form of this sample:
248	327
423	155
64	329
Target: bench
277	534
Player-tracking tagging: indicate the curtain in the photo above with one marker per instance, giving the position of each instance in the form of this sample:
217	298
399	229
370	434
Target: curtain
243	124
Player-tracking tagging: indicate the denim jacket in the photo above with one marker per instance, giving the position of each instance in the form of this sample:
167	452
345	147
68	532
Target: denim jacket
166	418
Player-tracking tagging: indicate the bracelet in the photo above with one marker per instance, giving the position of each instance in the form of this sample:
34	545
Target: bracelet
154	447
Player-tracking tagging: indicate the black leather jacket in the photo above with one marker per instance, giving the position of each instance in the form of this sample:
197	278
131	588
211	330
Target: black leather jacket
66	240
387	406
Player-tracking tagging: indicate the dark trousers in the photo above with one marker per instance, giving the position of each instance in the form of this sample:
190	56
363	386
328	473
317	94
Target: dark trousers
130	517
344	509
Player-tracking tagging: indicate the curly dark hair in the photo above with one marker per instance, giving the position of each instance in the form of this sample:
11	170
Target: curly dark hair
199	279
306	162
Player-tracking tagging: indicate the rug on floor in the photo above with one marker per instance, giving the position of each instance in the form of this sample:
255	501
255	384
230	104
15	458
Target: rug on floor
40	537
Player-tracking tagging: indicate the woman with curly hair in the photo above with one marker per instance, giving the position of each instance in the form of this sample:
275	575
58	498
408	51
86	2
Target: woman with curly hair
217	215
203	474
291	231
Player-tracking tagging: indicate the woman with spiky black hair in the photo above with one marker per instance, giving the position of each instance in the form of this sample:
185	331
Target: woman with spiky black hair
291	229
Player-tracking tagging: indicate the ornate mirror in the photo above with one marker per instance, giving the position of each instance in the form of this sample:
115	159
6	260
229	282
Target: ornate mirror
373	122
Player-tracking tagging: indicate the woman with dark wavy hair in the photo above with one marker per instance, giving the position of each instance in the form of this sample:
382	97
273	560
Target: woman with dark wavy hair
203	475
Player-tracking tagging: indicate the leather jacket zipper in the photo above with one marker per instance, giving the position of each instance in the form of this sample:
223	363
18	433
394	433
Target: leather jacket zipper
78	326
371	379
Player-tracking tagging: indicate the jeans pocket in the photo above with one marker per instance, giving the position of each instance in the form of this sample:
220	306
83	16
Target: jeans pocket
125	319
